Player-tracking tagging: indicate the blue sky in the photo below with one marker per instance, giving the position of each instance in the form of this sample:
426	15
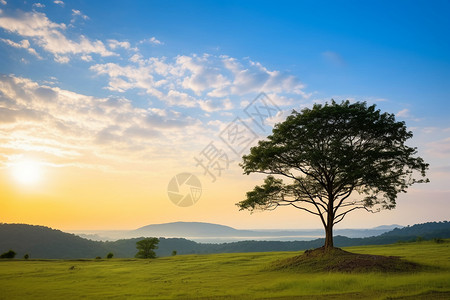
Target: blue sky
164	75
397	50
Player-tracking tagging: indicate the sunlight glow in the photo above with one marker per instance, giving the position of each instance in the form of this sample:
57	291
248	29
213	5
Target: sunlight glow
27	172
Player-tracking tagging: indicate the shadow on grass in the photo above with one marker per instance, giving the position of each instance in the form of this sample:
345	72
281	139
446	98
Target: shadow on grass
338	260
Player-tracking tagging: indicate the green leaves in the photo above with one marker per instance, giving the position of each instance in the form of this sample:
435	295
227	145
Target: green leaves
263	196
330	152
146	247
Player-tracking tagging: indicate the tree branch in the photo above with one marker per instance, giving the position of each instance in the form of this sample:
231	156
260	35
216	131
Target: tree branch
305	209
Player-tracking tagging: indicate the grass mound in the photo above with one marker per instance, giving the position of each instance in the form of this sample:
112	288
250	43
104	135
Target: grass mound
338	260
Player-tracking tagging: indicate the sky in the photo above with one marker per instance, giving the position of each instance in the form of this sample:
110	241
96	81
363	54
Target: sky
106	107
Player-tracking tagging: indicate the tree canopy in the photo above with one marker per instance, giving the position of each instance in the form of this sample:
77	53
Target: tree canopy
338	158
146	247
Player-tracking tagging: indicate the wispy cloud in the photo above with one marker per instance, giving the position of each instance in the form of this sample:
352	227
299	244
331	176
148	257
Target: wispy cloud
78	14
24	44
38	5
440	148
152	40
115	44
404	113
216	105
50	36
334	58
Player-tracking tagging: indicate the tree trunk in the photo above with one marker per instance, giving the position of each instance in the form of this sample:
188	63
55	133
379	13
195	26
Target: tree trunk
329	226
329	237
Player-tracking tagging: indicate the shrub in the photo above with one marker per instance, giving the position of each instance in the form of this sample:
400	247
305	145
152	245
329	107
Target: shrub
9	254
438	240
98	257
26	256
109	255
174	252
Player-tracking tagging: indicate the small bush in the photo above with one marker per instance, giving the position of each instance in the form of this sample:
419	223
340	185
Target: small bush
26	256
438	240
98	257
109	255
9	254
174	252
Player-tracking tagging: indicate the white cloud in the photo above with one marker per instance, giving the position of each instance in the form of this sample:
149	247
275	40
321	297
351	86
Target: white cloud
87	58
50	36
201	73
113	44
136	58
39	5
59	2
404	113
78	14
180	99
218	125
62	59
3	2
254	77
24	44
130	77
73	128
283	100
205	81
278	118
216	105
152	41
244	103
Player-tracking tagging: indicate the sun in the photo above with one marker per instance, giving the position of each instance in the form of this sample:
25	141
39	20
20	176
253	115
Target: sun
27	172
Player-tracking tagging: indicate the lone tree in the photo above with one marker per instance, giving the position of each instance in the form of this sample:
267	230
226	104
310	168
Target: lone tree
146	247
338	158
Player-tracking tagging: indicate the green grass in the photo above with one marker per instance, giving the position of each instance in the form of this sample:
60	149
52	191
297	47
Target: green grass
225	276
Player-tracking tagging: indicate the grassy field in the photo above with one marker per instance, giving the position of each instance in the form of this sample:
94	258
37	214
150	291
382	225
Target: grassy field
224	276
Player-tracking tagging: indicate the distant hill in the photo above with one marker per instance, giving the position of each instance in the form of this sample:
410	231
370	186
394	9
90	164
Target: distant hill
190	229
44	242
388	227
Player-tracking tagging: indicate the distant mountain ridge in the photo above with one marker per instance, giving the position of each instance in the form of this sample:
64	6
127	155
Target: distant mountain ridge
45	242
209	232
